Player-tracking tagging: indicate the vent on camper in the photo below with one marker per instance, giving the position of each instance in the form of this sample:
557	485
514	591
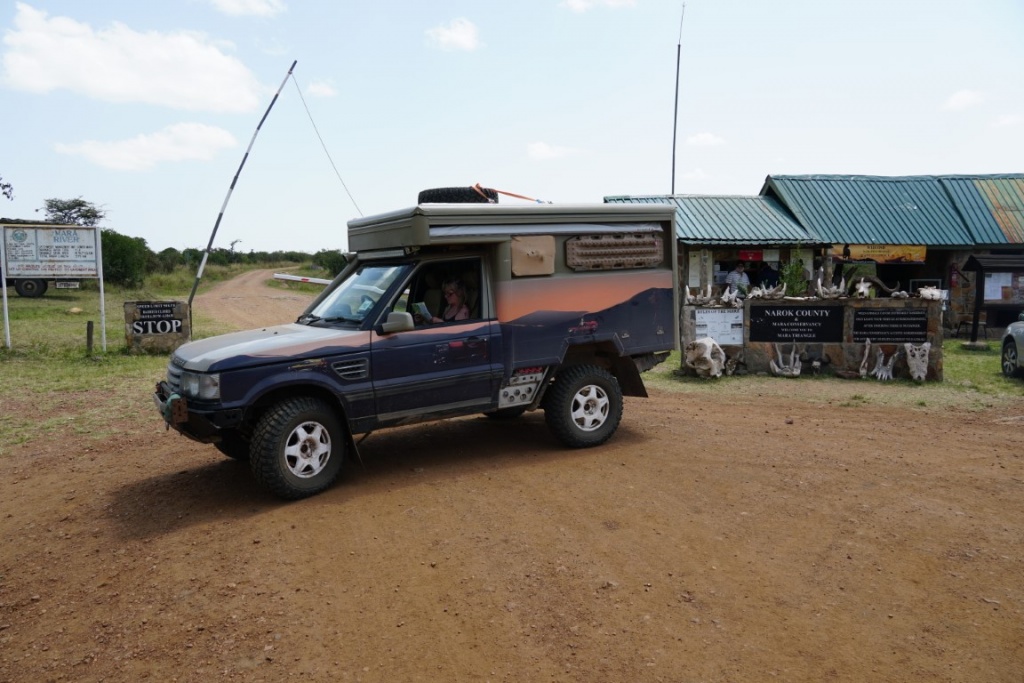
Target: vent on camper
614	252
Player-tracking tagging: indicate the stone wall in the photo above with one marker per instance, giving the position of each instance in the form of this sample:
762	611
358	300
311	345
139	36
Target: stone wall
156	326
834	329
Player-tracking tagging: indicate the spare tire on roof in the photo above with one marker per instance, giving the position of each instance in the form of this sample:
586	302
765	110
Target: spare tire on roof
459	195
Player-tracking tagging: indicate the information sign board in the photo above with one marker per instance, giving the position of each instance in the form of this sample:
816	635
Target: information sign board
37	251
724	325
810	324
890	325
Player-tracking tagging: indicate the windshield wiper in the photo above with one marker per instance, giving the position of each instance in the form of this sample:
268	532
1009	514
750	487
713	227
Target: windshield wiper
308	319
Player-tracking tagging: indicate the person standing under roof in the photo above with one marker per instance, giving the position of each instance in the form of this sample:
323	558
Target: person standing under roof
738	279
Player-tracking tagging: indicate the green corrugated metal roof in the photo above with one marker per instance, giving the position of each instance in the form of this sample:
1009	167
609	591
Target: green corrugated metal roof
847	209
742	220
992	206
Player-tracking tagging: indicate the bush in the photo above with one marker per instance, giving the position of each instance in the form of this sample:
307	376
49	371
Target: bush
124	259
331	260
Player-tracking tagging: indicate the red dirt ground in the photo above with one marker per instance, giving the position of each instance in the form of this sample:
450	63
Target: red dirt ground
709	540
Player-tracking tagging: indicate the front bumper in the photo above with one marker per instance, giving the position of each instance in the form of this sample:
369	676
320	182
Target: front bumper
205	426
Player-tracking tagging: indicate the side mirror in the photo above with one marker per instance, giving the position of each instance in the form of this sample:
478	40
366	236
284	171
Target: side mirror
398	322
1021	316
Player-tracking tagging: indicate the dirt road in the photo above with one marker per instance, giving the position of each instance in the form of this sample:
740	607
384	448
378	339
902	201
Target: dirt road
714	538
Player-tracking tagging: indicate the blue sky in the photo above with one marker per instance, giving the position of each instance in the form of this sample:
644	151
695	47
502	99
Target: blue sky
146	108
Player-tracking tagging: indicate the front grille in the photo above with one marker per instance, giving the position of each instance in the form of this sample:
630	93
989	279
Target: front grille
174	376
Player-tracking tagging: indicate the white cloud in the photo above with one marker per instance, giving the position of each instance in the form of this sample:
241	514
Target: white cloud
695	174
460	34
321	89
1008	120
585	5
258	8
704	140
179	142
964	99
183	70
542	150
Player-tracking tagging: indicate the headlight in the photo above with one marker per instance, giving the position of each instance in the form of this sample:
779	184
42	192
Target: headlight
201	386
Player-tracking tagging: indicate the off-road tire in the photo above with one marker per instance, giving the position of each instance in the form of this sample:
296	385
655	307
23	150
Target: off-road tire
234	446
458	195
297	448
31	289
1010	358
584	406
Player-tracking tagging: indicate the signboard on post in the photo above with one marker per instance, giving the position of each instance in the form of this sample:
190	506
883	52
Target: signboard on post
51	252
48	252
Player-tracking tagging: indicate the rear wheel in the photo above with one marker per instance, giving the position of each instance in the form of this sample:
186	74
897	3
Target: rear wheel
584	406
1010	359
297	448
30	288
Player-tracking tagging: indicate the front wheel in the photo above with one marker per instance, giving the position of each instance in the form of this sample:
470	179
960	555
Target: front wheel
297	448
1010	359
584	406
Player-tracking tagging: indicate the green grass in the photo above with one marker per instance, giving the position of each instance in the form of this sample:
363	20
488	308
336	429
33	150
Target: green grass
972	380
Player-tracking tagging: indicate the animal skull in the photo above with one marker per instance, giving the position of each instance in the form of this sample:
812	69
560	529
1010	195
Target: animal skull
706	357
917	360
830	291
784	368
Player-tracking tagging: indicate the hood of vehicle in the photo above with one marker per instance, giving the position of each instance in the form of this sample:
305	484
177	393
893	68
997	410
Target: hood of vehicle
267	345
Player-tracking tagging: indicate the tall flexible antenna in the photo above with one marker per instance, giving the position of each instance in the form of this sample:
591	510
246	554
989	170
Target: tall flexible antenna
209	246
324	145
675	115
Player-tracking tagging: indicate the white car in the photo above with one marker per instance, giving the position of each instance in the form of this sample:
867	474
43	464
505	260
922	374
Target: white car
1013	344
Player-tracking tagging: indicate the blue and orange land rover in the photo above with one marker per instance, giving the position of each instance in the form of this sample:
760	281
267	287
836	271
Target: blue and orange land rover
562	308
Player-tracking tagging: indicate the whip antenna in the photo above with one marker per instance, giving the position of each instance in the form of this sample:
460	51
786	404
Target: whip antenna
213	235
675	115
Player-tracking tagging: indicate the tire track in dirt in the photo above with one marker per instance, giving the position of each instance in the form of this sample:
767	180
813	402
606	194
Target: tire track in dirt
247	301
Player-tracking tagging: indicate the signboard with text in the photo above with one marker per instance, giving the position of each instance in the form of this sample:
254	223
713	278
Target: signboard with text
805	324
890	325
37	251
724	325
881	253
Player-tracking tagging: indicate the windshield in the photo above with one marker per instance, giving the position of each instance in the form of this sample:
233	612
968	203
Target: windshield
355	296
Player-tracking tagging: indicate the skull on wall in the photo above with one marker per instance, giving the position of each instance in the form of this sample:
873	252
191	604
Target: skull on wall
706	357
917	360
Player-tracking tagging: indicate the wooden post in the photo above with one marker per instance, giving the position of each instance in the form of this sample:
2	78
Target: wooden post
88	338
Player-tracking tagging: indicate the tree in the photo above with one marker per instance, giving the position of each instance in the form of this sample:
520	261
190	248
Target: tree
6	189
75	211
124	258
